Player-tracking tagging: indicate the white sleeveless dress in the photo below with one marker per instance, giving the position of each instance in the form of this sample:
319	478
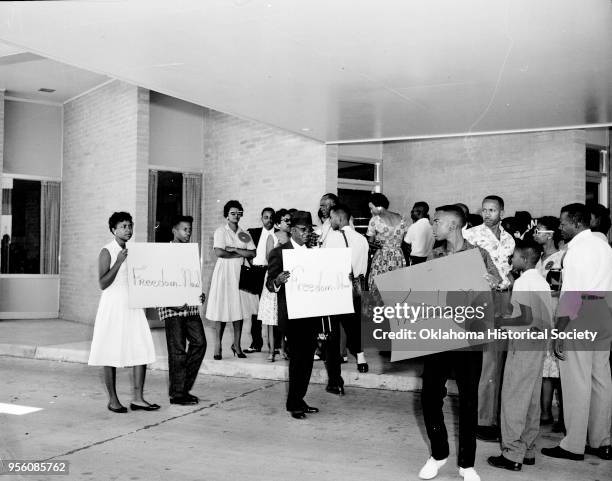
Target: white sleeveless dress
121	336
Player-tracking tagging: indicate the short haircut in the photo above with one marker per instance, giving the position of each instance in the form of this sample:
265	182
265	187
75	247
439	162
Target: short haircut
342	210
453	210
422	205
229	205
379	200
602	214
531	250
279	214
332	197
463	207
497	199
177	219
267	209
118	217
577	214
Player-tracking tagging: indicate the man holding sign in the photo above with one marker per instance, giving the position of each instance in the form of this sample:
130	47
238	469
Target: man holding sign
183	325
447	225
301	333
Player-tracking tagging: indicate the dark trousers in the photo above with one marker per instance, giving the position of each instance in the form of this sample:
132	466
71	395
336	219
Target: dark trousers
256	336
333	357
417	260
302	342
467	366
184	363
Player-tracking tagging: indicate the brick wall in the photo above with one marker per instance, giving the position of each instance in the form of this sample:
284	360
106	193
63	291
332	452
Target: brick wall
260	166
538	172
2	93
104	170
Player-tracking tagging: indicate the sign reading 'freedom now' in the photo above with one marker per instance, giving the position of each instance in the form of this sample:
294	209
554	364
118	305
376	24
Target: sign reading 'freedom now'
162	275
319	283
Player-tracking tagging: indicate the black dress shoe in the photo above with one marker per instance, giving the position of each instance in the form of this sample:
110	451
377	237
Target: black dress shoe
121	409
339	390
195	399
310	409
504	463
149	407
528	461
298	415
363	367
183	400
559	452
488	433
603	452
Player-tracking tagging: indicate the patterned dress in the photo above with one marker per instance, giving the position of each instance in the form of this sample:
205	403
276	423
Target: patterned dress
390	256
551	364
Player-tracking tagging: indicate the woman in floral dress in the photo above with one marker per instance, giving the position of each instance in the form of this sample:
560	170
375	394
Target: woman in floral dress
386	231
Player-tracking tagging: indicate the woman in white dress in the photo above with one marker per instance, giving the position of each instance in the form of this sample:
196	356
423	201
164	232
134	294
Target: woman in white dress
268	304
226	302
121	335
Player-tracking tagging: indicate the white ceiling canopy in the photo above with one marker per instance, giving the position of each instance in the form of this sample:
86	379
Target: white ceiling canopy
346	70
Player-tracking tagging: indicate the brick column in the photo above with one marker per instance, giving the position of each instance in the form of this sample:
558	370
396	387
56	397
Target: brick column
106	137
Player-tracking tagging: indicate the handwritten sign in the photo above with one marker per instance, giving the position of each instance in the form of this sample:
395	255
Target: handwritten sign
449	284
319	284
162	275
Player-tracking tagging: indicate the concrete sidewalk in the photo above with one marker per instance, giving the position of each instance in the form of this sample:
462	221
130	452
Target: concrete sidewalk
60	340
239	431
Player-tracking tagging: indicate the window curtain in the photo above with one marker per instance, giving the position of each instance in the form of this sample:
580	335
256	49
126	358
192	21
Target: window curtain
50	197
152	222
192	203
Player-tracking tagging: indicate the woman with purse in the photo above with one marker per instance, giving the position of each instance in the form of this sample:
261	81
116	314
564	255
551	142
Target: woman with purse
226	302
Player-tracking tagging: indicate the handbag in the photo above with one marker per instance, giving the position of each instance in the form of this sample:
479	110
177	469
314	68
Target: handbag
248	278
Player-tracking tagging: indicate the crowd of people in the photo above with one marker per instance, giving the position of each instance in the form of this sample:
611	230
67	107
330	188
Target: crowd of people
505	392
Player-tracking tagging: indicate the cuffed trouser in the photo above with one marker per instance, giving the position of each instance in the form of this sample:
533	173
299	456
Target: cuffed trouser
467	366
489	387
587	398
520	398
184	362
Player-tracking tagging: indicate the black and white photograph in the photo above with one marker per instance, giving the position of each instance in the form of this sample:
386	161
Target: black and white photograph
306	240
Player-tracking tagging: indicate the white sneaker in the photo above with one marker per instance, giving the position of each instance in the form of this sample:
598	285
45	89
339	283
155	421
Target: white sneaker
431	468
469	474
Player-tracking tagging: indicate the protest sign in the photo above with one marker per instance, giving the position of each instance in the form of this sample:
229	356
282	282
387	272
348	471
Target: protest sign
163	274
439	302
319	283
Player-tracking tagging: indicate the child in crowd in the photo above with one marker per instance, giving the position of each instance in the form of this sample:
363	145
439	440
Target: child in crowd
522	383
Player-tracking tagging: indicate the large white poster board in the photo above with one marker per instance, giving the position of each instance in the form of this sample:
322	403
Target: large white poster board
319	284
162	275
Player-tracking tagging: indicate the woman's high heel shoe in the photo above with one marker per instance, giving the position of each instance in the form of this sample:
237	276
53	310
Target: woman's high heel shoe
217	357
271	357
241	355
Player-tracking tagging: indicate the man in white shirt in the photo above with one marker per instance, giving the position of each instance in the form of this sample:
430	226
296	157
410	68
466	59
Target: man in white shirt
325	231
584	366
492	237
260	263
346	237
419	235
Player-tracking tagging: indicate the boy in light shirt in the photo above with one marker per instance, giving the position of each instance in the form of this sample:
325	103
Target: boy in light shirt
522	383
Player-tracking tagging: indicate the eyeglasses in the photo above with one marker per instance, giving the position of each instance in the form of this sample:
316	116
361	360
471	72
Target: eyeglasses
543	231
287	220
239	212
